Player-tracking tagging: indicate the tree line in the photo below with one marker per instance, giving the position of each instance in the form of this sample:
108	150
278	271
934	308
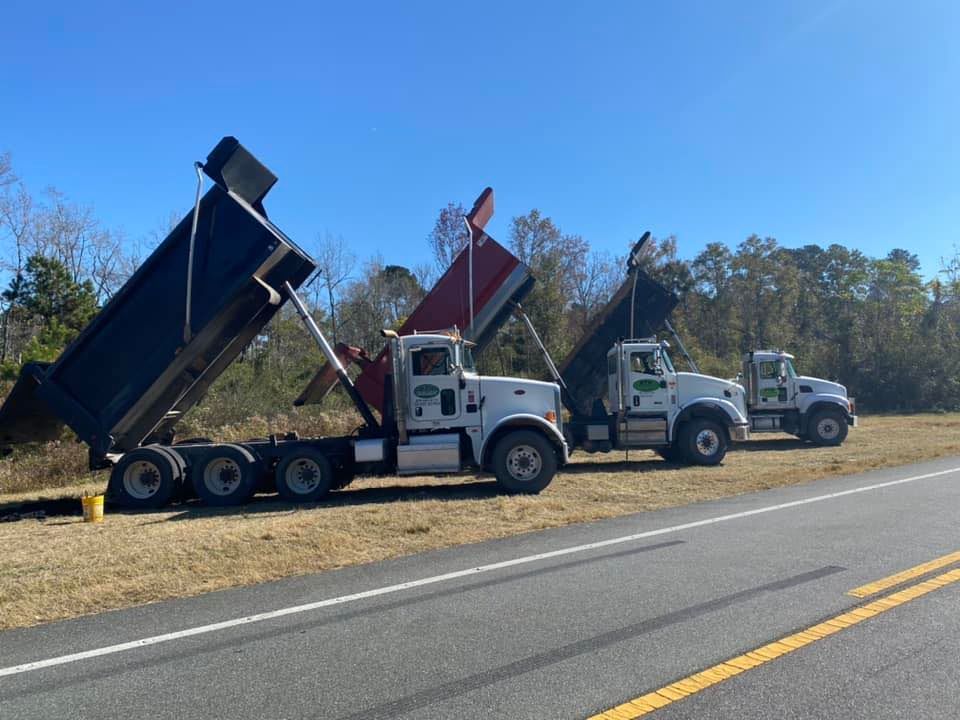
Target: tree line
874	324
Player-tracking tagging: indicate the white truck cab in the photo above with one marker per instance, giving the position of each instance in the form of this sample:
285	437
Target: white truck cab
683	416
780	400
449	417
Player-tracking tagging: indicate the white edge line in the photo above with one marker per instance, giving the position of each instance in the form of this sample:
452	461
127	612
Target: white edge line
433	580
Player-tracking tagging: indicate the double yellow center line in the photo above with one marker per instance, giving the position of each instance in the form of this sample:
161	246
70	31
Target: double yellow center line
668	694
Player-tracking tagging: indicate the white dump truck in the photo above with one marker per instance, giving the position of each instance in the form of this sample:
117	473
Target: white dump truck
780	400
685	417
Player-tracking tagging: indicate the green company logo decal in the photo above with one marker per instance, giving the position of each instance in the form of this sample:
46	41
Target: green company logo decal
426	391
771	393
646	385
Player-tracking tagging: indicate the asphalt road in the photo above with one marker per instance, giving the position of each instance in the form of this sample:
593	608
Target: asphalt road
562	636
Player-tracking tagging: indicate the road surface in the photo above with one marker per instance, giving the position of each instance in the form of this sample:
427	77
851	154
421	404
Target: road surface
564	623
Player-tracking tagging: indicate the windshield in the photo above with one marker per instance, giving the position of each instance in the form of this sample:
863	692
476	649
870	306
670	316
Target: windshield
667	362
790	371
468	362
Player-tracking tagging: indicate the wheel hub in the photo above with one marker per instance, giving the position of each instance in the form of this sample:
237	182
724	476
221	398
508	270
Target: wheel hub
141	480
222	476
828	429
524	462
707	442
303	476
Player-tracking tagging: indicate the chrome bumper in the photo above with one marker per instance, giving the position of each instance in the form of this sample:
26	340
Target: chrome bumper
853	421
739	433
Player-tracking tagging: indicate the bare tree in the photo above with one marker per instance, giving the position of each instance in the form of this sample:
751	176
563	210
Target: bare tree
6	170
335	266
425	275
449	235
593	278
71	234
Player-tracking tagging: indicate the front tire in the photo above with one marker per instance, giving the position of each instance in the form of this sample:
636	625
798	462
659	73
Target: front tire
703	442
304	477
827	427
524	461
225	475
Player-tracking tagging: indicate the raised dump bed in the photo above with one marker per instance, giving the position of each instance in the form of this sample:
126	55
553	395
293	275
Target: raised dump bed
584	370
499	280
155	348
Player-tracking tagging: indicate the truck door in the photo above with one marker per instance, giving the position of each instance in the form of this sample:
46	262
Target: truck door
434	387
772	386
647	381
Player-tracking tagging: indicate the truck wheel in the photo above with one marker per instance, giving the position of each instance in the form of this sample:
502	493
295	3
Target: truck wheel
304	476
703	442
827	427
225	475
524	462
146	478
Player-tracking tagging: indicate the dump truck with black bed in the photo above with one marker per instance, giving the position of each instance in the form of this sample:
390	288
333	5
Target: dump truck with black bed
208	290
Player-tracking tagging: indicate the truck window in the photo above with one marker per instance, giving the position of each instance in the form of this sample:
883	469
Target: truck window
611	364
768	371
667	362
642	362
431	361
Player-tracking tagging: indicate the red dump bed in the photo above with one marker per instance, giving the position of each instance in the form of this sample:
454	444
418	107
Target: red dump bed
499	280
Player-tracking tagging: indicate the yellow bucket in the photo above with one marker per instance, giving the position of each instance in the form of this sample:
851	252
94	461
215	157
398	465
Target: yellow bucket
92	508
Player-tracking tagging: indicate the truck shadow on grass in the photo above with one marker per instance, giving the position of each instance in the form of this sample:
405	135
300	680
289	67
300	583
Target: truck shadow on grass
775	445
480	489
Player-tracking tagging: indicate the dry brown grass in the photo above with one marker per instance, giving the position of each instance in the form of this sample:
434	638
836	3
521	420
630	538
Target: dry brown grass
62	568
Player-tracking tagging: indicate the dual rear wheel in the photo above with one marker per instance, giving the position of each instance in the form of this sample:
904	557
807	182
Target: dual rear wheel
221	475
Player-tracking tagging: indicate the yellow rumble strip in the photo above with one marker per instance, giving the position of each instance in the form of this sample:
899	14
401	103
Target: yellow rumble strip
901	577
680	689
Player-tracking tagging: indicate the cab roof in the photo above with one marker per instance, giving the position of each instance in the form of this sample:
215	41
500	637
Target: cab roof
767	355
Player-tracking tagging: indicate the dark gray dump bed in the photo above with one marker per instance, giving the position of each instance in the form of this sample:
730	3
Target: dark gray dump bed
584	370
131	374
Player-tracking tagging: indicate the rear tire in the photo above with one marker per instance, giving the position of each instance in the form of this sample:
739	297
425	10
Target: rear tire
304	476
703	442
145	479
225	475
827	427
524	461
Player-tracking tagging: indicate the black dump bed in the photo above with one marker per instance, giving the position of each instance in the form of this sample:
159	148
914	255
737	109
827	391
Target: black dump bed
584	370
136	368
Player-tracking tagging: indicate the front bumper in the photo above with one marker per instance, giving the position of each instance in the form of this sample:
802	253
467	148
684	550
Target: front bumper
852	420
739	433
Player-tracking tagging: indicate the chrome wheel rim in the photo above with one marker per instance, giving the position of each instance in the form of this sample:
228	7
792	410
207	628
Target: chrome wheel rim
828	429
524	463
708	443
222	476
303	476
141	479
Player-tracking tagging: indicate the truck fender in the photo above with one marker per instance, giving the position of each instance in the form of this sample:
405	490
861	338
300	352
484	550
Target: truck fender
809	403
521	420
719	410
823	400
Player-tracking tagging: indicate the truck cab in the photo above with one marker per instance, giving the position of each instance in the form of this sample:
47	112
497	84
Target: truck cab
780	400
683	416
447	416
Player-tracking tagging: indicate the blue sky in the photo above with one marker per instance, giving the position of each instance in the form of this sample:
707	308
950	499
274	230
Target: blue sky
814	122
